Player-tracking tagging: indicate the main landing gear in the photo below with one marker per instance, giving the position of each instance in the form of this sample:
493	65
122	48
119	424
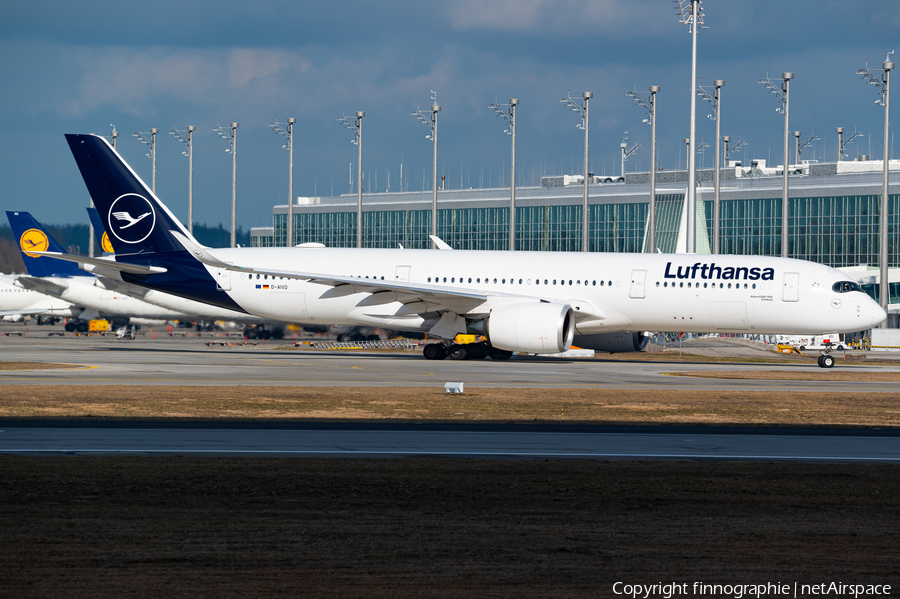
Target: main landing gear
826	360
467	351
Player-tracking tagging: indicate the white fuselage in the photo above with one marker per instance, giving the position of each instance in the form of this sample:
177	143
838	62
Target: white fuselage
16	299
609	292
98	301
180	305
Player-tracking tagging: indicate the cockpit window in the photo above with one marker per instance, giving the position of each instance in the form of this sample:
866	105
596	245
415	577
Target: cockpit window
846	287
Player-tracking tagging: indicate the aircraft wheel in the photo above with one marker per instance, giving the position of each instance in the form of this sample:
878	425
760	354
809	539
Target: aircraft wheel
81	327
802	348
826	361
458	352
250	333
70	327
434	351
500	354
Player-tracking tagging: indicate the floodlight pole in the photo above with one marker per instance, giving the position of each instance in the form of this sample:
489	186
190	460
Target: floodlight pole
359	117
231	137
650	120
885	296
584	111
432	121
234	127
152	155
435	109
288	134
692	158
356	127
884	86
715	100
585	230
510	118
113	136
786	88
188	139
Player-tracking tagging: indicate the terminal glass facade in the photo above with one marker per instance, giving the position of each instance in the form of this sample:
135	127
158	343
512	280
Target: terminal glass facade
835	230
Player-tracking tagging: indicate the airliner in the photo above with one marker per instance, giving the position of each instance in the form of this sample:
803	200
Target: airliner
18	301
255	326
63	280
534	302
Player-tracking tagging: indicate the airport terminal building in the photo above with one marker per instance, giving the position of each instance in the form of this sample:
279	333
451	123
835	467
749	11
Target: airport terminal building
834	215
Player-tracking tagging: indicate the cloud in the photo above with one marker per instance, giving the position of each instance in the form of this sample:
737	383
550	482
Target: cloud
552	16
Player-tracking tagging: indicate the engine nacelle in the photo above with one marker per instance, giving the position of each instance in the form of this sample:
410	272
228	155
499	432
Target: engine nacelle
537	328
620	342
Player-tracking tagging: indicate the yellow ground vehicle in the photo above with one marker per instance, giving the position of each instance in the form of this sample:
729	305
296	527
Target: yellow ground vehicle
98	325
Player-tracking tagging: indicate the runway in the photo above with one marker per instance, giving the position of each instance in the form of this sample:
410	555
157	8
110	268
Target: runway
463	440
174	361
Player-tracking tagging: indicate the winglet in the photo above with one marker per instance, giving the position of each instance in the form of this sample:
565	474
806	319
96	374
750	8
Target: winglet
439	243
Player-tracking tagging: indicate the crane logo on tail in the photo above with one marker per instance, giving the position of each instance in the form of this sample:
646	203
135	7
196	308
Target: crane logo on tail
131	218
34	240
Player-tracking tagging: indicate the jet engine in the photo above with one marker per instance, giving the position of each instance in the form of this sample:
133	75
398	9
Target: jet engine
538	328
620	342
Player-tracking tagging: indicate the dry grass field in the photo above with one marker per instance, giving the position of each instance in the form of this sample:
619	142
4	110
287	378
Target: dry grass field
477	404
86	527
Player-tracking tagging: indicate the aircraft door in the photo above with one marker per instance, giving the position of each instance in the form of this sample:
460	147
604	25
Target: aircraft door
791	287
402	273
638	280
223	279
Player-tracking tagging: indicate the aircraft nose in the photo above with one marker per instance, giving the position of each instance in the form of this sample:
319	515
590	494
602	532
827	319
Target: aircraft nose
876	314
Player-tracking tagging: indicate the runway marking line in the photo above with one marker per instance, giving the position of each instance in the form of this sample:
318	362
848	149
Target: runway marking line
462	453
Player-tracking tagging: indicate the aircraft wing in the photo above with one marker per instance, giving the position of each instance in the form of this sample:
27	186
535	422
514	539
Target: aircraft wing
104	263
417	298
45	286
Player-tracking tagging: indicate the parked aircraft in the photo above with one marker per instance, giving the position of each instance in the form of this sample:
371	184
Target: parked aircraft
19	301
254	325
63	280
537	302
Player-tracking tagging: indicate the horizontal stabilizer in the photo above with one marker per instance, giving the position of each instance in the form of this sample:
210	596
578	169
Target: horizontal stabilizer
135	269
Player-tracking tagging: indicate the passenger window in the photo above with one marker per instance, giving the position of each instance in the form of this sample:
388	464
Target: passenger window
594	283
657	283
520	281
554	281
478	280
470	279
665	284
681	284
495	281
754	285
429	279
704	285
545	282
570	281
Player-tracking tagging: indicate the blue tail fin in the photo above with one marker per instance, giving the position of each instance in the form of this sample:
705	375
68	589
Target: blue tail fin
134	218
100	235
32	236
